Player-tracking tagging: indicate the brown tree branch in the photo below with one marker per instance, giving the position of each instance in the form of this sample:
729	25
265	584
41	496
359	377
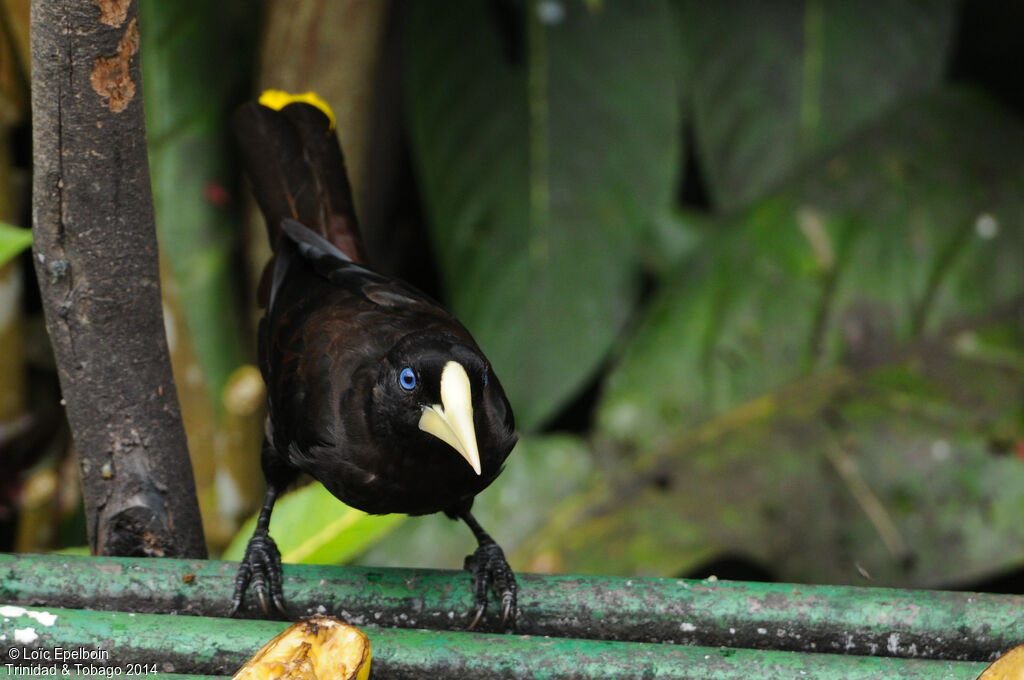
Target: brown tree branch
95	254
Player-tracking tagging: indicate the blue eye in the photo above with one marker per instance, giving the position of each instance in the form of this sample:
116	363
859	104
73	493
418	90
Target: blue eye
407	378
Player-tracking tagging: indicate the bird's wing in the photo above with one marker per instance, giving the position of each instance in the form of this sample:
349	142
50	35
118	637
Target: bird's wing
335	266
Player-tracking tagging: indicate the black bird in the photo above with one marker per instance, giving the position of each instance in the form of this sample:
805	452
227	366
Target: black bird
373	388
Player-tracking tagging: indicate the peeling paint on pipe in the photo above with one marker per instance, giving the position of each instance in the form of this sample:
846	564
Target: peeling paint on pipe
831	619
221	646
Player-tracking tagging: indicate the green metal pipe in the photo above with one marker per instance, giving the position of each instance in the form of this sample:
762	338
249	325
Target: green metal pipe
220	646
847	620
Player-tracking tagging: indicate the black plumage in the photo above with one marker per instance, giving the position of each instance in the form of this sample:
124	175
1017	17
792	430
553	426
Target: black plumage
373	388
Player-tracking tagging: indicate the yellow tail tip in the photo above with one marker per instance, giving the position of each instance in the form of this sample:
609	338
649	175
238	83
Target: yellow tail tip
278	99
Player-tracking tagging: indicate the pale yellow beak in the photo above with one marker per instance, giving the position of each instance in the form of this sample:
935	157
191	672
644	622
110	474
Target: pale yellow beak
451	421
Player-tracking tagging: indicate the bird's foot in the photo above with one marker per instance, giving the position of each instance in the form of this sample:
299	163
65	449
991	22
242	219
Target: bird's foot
490	570
261	567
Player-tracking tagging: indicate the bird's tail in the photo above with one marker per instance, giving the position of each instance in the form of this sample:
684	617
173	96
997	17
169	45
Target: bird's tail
296	169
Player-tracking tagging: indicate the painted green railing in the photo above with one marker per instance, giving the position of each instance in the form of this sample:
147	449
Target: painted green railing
167	615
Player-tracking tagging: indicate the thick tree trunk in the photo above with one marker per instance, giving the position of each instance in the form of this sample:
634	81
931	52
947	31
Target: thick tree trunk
96	258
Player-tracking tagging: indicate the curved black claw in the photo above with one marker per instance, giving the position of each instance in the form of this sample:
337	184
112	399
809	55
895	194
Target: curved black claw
490	571
261	566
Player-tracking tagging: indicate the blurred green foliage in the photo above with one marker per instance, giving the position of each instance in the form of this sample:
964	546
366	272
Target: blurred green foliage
795	389
13	240
752	274
188	104
811	363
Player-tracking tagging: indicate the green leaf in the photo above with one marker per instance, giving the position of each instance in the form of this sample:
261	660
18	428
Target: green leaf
313	527
833	380
878	244
901	474
13	240
777	84
543	161
541	471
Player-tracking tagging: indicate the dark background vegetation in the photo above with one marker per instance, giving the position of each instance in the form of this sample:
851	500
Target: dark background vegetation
752	275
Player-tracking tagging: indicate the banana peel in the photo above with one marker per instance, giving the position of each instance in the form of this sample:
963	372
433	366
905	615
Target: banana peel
1009	666
317	648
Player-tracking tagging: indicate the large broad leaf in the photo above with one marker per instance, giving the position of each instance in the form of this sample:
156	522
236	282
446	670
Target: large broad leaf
899	475
543	158
908	229
830	382
777	83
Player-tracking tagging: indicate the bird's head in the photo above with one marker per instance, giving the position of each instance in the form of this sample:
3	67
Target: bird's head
442	388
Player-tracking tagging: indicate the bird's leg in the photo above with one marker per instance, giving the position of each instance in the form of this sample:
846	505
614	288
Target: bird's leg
490	570
262	563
